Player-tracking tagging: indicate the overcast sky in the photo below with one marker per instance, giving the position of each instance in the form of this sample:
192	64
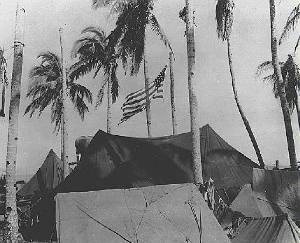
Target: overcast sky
250	47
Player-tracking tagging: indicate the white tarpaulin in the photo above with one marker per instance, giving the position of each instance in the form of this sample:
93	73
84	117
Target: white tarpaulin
165	213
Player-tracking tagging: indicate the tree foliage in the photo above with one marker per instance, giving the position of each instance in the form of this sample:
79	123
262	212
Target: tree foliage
224	18
46	90
291	77
93	55
129	34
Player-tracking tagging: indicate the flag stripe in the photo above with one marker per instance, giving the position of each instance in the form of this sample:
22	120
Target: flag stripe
143	102
139	92
136	102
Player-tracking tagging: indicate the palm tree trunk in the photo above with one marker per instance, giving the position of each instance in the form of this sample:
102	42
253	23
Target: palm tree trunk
298	111
11	214
148	109
172	94
108	118
281	90
245	120
62	139
2	111
65	146
195	126
2	82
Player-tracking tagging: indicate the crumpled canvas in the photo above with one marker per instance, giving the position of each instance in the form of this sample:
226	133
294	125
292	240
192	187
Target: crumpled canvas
165	213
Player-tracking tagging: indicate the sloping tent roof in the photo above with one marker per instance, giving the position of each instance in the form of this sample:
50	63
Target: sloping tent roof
252	205
165	213
112	161
276	229
48	176
281	188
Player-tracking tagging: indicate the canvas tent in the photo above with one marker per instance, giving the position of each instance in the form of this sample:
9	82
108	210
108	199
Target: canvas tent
251	204
165	213
276	229
48	176
281	188
112	161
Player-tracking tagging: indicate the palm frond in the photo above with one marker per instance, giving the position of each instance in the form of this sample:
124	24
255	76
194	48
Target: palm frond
290	23
111	77
224	18
291	77
82	68
129	34
117	6
114	83
45	89
100	94
101	3
264	67
297	44
56	114
159	31
78	95
91	50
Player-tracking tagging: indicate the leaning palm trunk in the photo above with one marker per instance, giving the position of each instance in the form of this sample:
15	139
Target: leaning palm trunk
2	111
173	108
2	81
195	129
108	118
148	109
11	215
298	112
281	90
65	147
236	98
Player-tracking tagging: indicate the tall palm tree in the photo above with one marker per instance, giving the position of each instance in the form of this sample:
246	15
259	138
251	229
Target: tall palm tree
94	54
281	89
11	215
3	80
46	90
291	77
187	15
129	37
224	18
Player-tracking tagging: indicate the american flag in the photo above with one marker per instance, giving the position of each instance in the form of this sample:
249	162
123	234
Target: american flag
136	102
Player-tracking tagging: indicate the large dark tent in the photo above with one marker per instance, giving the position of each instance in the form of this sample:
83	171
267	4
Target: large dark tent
48	176
112	161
